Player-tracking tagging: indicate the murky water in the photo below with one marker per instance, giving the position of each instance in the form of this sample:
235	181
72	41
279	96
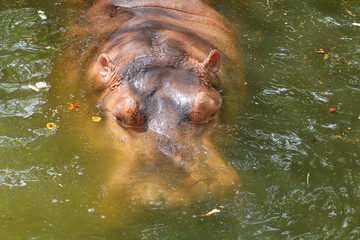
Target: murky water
299	164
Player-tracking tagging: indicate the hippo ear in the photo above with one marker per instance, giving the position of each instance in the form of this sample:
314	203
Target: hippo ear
105	65
213	61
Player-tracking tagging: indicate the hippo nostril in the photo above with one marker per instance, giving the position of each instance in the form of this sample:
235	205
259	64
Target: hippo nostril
204	108
127	112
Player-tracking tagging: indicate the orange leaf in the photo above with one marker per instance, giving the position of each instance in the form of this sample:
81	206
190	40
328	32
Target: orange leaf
73	105
322	51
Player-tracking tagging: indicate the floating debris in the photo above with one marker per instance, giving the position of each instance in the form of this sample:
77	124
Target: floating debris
253	117
41	85
38	86
42	15
332	110
96	119
73	105
356	24
215	210
51	125
307	178
33	88
323	52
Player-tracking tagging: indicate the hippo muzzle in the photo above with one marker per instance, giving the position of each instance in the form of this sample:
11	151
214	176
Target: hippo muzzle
161	99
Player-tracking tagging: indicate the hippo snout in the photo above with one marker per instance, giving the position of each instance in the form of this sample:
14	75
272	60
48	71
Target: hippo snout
127	112
204	108
162	111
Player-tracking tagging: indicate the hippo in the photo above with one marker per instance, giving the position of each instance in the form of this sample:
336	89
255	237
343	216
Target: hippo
155	70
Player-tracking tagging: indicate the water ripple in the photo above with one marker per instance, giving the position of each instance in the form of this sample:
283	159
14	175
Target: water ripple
20	107
18	178
23	51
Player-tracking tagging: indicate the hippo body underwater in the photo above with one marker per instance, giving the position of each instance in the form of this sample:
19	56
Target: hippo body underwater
151	66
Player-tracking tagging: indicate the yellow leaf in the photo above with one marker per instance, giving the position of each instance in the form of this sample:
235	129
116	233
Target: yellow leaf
51	125
215	210
96	119
307	178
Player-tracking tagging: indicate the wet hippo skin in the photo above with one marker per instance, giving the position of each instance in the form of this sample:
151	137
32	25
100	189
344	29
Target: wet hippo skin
151	65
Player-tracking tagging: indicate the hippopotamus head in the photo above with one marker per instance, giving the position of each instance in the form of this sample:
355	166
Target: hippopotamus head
158	92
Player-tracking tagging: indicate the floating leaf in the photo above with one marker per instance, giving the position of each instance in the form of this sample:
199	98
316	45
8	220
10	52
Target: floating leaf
253	117
307	178
215	210
96	119
51	125
73	105
322	51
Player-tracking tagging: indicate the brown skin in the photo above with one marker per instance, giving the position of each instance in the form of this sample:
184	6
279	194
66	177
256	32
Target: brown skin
154	76
128	100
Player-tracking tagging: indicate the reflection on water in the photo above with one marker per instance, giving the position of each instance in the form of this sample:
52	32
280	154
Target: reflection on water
299	164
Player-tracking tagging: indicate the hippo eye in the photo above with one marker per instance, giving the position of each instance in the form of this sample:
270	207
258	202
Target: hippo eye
127	112
204	108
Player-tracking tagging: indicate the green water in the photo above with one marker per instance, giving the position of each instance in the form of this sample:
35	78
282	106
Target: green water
299	164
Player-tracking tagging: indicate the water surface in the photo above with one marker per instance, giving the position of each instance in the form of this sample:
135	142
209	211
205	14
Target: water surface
299	164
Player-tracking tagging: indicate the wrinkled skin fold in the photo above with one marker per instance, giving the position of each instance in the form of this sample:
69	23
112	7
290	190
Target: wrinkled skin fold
152	66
